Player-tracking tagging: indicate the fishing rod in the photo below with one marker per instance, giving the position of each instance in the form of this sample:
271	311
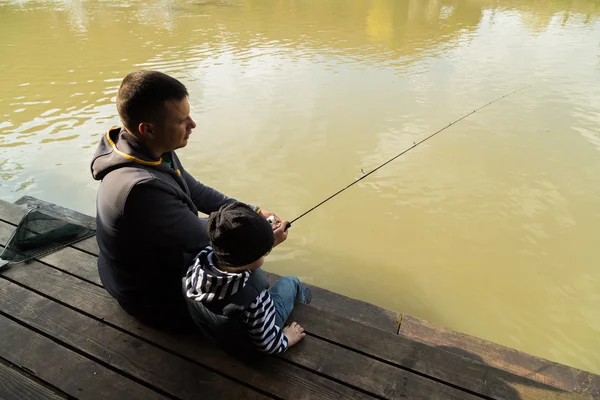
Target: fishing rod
400	154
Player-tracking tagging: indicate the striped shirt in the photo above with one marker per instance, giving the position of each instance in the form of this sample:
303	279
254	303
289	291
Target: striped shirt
259	317
206	283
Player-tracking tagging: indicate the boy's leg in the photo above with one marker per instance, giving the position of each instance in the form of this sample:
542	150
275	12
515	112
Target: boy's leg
284	293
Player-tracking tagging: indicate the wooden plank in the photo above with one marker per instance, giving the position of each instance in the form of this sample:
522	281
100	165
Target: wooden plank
76	262
182	378
323	299
425	359
519	363
70	372
15	384
369	374
350	308
89	245
271	375
5	232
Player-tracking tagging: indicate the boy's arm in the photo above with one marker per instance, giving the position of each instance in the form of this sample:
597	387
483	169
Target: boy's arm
259	318
208	200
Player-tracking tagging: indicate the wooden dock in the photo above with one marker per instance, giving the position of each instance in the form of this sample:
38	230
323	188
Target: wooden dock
63	337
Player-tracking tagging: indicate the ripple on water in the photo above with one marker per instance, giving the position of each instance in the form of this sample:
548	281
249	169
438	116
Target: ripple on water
59	139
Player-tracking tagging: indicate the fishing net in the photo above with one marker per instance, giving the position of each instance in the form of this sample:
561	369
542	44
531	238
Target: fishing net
38	234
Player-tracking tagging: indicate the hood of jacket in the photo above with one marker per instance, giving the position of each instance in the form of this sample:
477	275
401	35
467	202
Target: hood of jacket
206	283
118	149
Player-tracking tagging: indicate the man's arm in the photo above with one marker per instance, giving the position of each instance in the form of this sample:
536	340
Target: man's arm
161	218
207	199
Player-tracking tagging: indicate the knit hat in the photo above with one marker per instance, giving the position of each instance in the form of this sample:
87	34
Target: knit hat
239	235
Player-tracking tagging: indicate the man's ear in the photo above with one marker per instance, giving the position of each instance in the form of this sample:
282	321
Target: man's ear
146	129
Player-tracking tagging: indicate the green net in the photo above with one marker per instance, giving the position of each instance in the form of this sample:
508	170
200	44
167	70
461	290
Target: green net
38	234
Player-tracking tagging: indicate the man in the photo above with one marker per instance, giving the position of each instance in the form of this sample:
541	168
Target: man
147	207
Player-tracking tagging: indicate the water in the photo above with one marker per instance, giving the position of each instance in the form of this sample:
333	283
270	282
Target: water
490	228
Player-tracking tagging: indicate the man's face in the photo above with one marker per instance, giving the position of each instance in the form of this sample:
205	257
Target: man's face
176	126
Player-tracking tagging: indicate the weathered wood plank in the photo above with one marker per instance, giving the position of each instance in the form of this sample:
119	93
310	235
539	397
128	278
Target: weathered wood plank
426	359
182	378
76	262
369	374
350	308
519	363
16	385
271	375
325	300
70	372
5	232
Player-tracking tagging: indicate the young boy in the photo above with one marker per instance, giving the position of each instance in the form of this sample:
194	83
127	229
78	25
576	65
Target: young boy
227	293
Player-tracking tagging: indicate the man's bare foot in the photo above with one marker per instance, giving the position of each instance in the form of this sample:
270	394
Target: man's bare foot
294	333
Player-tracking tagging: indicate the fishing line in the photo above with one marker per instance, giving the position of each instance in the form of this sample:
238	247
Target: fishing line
401	154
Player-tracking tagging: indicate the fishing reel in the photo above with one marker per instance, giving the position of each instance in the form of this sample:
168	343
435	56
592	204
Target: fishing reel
275	224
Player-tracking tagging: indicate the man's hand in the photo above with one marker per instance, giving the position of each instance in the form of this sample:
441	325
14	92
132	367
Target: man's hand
267	214
280	232
294	333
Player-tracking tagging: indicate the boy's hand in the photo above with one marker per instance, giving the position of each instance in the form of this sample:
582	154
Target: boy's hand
280	233
294	333
268	214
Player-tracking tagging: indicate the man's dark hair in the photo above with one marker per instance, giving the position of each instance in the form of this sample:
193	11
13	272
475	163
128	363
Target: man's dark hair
142	94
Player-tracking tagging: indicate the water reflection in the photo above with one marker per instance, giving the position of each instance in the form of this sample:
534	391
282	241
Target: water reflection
380	33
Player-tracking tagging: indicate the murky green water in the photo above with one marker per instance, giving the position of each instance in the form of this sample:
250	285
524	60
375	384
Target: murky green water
490	228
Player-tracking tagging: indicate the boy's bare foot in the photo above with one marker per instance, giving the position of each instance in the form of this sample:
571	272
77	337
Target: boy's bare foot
294	333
